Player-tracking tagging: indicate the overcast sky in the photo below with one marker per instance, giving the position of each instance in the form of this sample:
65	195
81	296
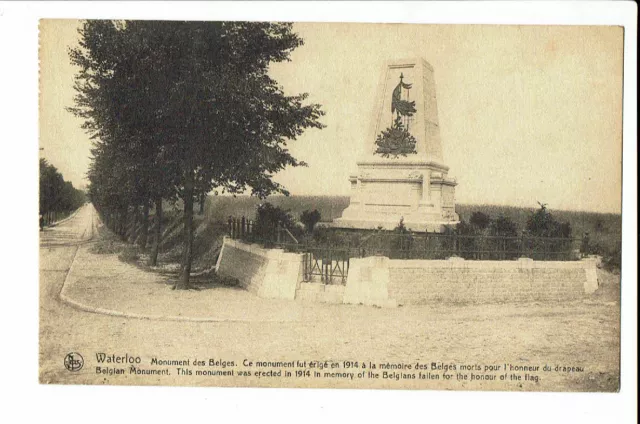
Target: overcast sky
527	113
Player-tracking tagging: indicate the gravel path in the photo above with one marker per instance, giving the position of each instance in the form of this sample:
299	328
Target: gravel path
226	324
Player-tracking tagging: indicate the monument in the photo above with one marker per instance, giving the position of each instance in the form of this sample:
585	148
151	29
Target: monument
401	174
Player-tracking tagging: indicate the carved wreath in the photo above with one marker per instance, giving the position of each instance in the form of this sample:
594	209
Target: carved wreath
395	141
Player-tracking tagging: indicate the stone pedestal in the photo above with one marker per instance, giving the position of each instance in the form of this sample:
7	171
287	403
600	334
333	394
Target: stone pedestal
401	174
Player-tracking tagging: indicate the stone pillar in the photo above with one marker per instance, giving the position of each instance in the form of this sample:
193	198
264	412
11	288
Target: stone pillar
436	191
425	200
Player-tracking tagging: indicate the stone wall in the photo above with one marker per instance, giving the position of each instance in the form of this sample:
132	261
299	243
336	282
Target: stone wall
455	280
269	273
379	281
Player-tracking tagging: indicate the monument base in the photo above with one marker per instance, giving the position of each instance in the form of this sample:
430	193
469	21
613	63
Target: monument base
390	224
384	192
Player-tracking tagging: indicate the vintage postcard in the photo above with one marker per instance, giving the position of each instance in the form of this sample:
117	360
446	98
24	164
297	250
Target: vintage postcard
330	205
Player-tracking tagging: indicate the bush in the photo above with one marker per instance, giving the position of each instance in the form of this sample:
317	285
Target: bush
503	226
612	260
401	242
611	255
310	219
542	224
268	217
480	220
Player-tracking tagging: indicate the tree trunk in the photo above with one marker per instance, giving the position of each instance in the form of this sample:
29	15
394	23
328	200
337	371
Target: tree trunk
203	197
145	225
123	224
158	232
183	283
134	225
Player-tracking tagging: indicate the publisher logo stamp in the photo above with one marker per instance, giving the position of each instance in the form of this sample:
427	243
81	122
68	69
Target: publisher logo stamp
73	361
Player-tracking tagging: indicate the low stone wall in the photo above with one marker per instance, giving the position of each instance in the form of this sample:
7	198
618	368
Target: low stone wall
269	273
379	281
383	282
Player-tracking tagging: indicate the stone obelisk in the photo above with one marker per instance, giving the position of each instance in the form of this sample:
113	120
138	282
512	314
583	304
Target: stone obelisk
401	175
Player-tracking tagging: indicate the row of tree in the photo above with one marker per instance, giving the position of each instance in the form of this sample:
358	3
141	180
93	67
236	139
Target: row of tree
57	196
179	109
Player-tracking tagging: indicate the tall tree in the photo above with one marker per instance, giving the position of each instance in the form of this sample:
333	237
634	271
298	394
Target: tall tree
56	195
197	100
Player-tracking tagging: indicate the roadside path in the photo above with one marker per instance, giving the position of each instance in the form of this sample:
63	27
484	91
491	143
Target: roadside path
230	324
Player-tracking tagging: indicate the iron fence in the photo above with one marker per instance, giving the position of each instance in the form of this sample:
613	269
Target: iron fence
330	265
472	247
330	262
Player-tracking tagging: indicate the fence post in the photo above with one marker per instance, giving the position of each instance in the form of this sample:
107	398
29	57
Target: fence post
520	246
278	232
304	267
229	223
243	227
456	245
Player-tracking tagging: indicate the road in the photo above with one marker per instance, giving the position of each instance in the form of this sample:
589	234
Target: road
583	334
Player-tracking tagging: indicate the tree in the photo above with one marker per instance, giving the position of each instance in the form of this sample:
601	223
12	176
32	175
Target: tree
120	89
541	223
56	195
193	106
310	219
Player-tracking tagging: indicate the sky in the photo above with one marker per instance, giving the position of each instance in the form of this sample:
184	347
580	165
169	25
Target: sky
526	113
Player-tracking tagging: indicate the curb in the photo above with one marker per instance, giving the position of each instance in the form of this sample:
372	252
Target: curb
109	312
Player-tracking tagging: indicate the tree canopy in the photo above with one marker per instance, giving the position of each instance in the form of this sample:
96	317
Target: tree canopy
178	109
56	194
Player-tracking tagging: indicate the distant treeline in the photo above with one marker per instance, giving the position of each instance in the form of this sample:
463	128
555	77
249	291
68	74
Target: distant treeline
58	197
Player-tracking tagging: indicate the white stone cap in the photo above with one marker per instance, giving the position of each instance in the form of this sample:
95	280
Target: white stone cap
401	162
408	61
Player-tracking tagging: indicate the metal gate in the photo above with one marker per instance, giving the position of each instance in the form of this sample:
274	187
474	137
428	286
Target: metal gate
330	265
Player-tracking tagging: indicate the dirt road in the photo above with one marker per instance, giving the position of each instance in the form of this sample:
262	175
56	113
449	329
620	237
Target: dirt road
581	335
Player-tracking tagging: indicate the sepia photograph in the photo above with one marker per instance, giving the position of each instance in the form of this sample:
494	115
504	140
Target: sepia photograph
330	205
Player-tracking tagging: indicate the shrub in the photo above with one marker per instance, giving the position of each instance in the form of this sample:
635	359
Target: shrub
268	217
542	224
503	226
612	260
480	220
310	219
401	242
